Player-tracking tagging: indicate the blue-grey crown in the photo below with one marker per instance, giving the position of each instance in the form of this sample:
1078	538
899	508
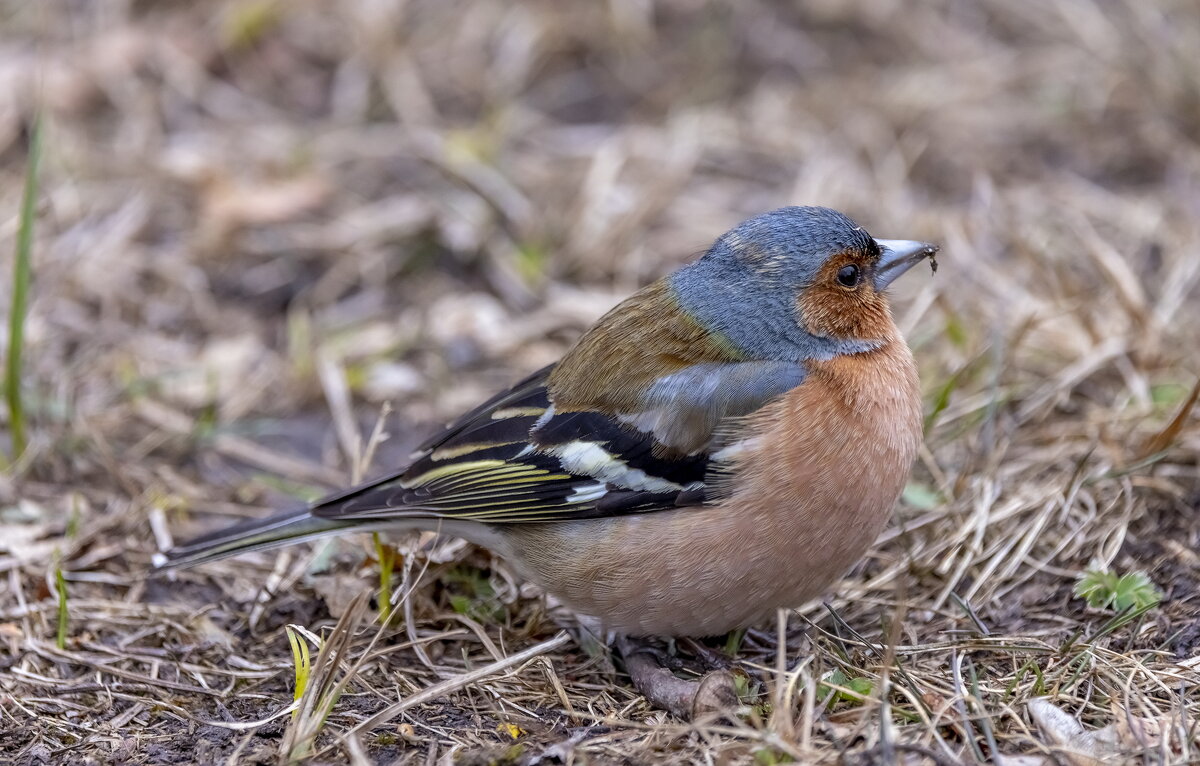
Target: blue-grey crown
745	286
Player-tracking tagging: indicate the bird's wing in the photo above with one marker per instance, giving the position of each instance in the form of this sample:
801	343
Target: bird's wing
518	459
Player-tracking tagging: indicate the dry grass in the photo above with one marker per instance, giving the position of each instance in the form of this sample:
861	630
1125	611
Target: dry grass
262	220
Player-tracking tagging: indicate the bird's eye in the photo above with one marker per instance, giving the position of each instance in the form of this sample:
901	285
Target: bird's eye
848	275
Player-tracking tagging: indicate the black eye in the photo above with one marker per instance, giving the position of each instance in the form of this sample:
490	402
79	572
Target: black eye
848	275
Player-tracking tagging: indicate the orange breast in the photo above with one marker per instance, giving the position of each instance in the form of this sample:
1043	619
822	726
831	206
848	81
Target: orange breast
844	441
810	494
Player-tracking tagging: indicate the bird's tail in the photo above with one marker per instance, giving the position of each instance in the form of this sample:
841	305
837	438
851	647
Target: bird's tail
254	534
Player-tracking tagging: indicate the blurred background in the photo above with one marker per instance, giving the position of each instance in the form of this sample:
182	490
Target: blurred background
415	190
261	220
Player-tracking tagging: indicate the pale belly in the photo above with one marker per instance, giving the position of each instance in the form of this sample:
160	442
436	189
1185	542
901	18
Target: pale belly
694	571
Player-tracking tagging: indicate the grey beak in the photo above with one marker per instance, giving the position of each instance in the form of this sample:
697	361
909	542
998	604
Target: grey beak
897	257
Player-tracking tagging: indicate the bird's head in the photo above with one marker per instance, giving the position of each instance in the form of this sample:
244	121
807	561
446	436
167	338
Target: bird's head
798	283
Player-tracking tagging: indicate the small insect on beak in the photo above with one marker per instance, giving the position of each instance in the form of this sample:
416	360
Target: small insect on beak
898	256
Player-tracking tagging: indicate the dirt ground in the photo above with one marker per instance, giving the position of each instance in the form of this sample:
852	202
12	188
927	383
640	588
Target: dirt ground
266	229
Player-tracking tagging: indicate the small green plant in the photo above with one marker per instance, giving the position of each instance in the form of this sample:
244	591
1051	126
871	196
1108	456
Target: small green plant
1106	590
301	662
531	262
473	595
747	689
73	518
839	687
60	587
921	496
20	295
249	22
765	756
318	685
386	555
941	399
733	641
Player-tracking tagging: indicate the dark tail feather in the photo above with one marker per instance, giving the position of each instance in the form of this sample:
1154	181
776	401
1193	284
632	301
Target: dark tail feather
255	534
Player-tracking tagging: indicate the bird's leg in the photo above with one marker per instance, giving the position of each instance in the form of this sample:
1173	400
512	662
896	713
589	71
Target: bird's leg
715	691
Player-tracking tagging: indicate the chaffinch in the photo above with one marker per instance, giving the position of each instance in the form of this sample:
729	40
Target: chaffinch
726	441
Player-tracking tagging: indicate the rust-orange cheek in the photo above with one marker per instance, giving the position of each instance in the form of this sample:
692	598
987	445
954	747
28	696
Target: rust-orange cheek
837	312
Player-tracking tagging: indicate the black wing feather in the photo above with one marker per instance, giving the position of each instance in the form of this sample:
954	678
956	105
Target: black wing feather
498	464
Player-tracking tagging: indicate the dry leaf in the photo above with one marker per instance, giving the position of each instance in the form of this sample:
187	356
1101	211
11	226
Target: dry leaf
222	367
24	530
338	589
205	628
1114	743
1067	736
229	205
11	637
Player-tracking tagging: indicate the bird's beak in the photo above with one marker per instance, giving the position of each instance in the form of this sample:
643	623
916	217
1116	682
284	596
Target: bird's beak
898	256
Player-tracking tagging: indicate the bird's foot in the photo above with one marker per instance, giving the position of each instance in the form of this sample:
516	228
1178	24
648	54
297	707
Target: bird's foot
713	692
713	659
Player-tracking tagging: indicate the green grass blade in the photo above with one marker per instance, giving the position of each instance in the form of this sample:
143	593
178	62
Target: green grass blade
301	663
60	587
386	555
20	296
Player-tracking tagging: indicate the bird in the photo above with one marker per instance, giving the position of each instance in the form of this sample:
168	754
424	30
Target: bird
725	442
